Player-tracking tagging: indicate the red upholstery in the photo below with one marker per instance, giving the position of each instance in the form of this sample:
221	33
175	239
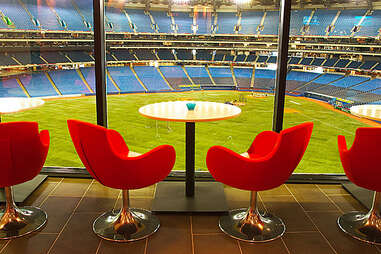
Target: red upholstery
361	162
105	155
23	152
272	158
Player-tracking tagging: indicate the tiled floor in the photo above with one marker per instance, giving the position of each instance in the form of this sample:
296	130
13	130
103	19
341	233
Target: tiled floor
309	212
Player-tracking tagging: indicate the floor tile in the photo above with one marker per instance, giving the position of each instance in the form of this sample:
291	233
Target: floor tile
314	242
311	198
59	210
215	244
144	203
41	193
207	223
147	192
333	189
173	236
108	247
95	204
33	244
100	191
78	236
71	187
292	214
272	247
347	203
341	242
279	191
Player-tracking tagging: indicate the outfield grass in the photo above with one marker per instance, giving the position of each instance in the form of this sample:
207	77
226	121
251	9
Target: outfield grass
142	134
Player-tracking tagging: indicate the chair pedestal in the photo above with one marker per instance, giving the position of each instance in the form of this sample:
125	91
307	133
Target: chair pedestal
250	225
129	224
16	222
364	226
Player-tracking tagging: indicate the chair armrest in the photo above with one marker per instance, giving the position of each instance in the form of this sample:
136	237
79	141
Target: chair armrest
342	144
45	140
263	144
117	143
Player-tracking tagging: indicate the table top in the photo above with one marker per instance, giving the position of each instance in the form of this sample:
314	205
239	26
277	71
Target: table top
14	104
177	111
368	111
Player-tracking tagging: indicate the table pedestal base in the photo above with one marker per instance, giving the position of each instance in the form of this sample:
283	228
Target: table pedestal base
23	190
364	196
208	197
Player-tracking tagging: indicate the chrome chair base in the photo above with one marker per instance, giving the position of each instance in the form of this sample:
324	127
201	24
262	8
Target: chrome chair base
137	224
17	222
252	228
365	227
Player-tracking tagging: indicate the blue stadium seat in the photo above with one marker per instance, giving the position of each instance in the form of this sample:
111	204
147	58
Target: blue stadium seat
204	55
342	63
368	65
250	20
320	21
251	58
175	76
69	15
327	78
262	59
199	75
38	85
163	21
317	61
243	76
306	61
226	22
165	54
222	76
184	54
10	88
294	60
79	56
240	58
330	62
371	25
6	60
118	19
272	59
141	21
204	21
68	82
145	54
298	20
346	21
45	16
85	8
17	14
89	75
264	79
123	55
378	67
271	23
28	57
369	85
125	79
151	78
354	65
349	81
228	58
183	21
54	57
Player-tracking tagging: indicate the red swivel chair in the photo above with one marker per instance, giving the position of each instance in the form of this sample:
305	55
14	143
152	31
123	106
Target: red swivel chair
108	159
267	164
23	151
361	164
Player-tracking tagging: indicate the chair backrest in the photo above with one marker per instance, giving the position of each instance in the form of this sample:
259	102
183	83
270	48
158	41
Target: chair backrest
105	155
261	173
23	152
362	161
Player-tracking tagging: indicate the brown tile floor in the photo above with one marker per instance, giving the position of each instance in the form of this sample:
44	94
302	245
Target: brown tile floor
309	211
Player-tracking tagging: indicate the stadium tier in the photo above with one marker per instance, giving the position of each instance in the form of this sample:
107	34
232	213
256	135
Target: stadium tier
137	79
77	16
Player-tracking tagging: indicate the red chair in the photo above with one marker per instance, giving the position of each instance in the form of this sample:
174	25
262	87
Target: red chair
23	152
108	159
267	164
361	164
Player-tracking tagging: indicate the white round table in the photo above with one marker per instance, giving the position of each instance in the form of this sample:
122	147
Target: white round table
10	105
177	111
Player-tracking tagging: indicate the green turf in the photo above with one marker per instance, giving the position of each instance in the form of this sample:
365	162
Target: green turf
142	134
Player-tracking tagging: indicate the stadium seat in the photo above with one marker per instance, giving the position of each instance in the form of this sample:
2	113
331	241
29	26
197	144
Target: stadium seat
267	164
108	159
23	150
361	165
